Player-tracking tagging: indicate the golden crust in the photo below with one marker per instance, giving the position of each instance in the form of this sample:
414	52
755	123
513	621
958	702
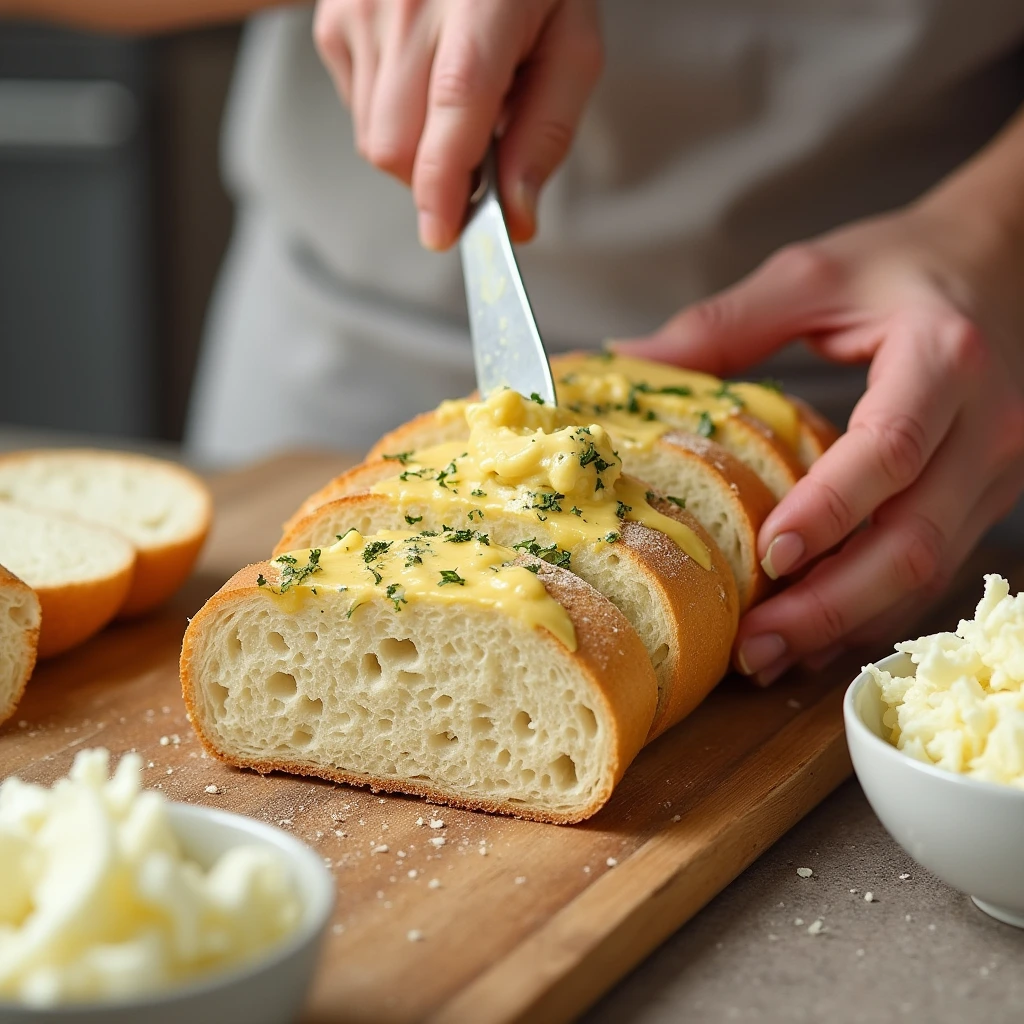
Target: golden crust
30	638
160	569
74	612
619	671
705	604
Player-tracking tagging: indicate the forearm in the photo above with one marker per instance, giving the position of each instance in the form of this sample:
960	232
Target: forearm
133	16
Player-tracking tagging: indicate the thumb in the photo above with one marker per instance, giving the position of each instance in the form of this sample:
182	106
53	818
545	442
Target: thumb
795	292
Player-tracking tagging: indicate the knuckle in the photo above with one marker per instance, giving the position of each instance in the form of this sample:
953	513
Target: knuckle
327	35
901	445
460	78
806	264
838	516
552	138
964	346
918	560
827	621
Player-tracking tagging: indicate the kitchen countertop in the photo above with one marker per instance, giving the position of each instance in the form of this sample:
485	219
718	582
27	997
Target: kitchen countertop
918	951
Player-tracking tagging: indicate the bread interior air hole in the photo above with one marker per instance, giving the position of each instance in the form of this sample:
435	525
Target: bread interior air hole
461	703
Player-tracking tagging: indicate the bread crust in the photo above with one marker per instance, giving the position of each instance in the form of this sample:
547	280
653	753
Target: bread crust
29	638
76	611
160	569
750	497
608	653
700	605
817	432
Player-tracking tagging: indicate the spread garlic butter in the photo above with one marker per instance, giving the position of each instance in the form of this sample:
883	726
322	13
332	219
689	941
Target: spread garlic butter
538	462
963	710
452	566
638	401
98	902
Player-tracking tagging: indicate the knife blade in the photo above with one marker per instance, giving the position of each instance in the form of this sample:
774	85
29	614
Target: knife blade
507	348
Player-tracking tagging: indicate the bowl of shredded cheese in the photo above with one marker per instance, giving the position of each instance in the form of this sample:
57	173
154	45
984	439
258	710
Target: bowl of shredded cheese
936	733
117	906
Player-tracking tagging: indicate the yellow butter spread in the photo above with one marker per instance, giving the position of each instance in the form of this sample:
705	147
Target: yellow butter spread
539	462
638	401
399	567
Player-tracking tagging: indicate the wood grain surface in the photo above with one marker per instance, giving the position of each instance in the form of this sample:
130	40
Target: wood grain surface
509	920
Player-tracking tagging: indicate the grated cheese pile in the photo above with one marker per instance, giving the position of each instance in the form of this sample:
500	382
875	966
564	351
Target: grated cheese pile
98	902
964	709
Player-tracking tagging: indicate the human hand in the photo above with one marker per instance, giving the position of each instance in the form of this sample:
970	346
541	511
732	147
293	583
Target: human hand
430	81
934	453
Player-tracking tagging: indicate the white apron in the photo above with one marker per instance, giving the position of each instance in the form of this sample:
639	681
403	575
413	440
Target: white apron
721	130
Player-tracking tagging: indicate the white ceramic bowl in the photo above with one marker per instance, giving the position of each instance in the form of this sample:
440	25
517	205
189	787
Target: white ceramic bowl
969	833
268	990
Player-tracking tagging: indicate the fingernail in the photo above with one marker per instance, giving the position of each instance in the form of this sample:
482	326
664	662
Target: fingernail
527	192
783	554
759	652
432	233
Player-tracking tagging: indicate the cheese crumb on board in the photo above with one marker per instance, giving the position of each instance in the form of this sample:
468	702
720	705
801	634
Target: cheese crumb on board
434	883
438	841
212	789
611	862
816	927
963	708
65	850
805	872
436	823
414	935
869	897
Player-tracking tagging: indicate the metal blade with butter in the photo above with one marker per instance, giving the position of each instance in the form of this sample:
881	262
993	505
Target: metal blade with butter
507	349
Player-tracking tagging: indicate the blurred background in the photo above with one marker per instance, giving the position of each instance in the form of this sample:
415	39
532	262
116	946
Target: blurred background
113	223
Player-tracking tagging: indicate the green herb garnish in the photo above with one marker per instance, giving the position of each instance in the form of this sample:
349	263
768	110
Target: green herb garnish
451	576
402	457
705	425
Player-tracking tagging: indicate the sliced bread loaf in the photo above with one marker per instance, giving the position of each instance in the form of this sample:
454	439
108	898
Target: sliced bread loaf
163	509
80	571
368	663
685	614
19	638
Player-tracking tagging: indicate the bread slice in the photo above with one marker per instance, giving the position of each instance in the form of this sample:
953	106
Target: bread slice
685	615
19	639
454	702
162	508
80	571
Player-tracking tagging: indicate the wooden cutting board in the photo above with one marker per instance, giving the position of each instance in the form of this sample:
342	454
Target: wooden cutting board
507	920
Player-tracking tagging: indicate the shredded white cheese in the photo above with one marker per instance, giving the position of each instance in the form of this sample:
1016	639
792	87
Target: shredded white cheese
964	708
98	902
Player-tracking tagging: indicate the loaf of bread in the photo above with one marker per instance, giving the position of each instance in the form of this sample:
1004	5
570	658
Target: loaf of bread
80	571
19	638
410	664
161	508
619	531
560	492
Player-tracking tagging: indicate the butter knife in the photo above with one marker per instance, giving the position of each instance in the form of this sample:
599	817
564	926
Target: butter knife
507	349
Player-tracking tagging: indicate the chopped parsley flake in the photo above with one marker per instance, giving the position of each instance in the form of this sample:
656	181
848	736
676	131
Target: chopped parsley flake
576	511
402	457
292	574
375	549
552	553
534	397
705	425
547	501
477	493
622	508
679	502
413	520
451	576
611	538
590	455
394	594
261	580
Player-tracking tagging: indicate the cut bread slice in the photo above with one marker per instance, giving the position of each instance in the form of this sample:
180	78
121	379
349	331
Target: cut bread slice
456	702
162	508
19	639
685	615
80	571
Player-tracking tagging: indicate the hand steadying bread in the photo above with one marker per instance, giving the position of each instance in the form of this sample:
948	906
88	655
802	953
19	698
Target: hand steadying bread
370	650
